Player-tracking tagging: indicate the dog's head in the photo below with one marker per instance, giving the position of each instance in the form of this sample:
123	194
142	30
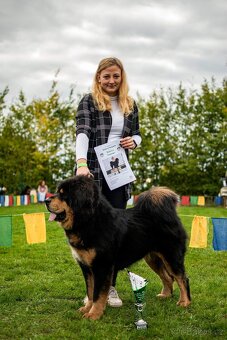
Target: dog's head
75	197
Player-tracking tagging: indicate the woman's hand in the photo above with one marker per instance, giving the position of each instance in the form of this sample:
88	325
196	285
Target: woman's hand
84	171
127	143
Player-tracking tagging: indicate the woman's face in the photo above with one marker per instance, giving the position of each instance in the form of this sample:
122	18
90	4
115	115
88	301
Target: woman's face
110	80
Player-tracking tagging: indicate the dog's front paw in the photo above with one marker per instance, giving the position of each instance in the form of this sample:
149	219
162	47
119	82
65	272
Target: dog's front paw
86	308
183	303
93	315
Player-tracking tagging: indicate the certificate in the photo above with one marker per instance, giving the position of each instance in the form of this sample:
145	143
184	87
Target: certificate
114	164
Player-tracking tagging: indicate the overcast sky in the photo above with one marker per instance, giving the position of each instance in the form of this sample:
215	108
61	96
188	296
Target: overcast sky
160	42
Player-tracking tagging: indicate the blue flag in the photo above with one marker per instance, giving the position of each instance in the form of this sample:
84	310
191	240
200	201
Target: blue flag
219	233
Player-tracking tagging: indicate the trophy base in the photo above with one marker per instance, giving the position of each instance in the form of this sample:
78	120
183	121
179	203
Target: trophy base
141	324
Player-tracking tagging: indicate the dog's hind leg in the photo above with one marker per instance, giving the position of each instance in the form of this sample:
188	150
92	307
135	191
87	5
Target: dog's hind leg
185	297
157	265
176	269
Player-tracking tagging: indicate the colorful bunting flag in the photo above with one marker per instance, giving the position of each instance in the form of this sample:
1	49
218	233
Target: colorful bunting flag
2	200
5	231
209	200
33	198
185	200
219	233
218	200
25	199
6	201
199	232
193	200
10	200
18	200
14	200
201	200
35	226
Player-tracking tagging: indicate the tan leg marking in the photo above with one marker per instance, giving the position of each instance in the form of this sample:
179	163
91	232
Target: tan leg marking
97	308
184	300
167	281
87	307
90	289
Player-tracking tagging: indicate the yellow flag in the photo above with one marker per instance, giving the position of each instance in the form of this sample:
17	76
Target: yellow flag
35	226
18	200
199	232
201	200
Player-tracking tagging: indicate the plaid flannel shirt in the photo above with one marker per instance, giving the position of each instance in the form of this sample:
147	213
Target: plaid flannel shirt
97	125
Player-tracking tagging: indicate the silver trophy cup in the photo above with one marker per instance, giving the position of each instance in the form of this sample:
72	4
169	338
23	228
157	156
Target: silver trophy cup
140	323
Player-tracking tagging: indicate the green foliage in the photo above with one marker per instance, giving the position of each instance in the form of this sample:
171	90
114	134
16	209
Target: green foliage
42	288
184	140
37	141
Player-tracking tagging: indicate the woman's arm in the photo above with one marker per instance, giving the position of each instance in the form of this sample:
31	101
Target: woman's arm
83	129
83	117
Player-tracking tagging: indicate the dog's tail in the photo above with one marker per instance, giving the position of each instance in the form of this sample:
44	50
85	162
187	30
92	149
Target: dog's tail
159	201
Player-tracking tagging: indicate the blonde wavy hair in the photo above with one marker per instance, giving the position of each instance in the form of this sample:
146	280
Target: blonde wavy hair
102	100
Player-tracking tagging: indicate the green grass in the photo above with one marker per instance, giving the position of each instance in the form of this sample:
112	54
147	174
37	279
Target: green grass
41	289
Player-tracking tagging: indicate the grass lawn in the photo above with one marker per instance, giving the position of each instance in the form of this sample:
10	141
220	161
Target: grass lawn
41	289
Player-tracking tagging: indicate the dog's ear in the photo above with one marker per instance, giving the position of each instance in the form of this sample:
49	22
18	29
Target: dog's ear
84	196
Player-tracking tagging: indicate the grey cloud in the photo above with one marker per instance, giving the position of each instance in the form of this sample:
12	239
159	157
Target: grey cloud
160	42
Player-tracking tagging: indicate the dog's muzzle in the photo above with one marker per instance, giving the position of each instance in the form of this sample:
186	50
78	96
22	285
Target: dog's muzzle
55	216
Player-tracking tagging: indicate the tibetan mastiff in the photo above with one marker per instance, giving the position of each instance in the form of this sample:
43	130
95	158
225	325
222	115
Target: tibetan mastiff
104	239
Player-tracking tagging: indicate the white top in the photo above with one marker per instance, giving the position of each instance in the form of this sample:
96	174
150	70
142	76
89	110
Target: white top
115	132
117	120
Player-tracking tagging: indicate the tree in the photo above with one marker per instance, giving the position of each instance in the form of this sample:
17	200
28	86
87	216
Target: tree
158	139
54	134
37	141
183	140
17	149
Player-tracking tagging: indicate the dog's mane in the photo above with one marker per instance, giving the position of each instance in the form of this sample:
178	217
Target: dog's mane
93	214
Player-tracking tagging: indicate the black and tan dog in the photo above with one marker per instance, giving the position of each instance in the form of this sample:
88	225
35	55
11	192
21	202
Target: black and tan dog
104	239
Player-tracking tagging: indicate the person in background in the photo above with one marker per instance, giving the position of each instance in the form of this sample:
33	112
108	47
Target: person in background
106	115
42	191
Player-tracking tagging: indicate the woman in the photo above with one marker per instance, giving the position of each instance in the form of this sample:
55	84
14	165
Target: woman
42	191
107	114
